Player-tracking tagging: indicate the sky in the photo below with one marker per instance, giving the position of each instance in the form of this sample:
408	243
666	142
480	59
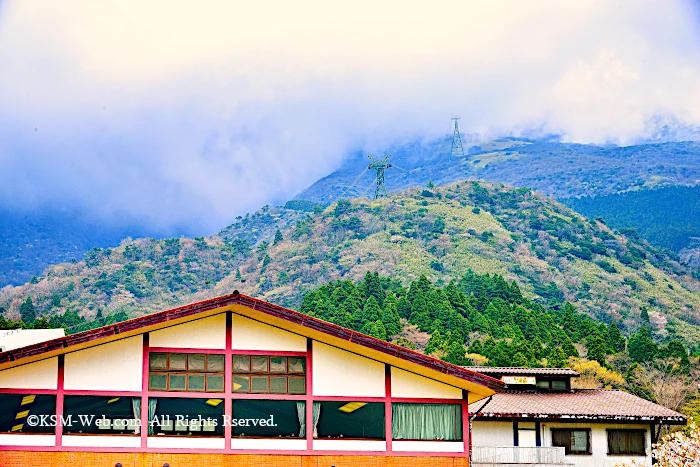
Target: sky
182	115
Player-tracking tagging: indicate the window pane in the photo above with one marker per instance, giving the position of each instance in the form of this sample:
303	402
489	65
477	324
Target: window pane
195	383
297	385
177	382
190	409
278	364
278	384
177	361
559	385
579	441
100	415
241	364
259	384
159	361
259	365
195	362
241	383
543	384
359	420
158	382
215	363
13	412
628	442
285	415
297	364
215	383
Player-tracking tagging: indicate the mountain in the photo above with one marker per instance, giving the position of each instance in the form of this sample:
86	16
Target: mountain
667	217
554	255
557	169
29	242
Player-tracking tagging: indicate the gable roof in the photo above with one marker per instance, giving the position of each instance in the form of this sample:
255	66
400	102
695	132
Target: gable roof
516	370
578	404
478	385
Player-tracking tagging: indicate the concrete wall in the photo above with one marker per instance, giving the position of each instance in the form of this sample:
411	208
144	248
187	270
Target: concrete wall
340	373
406	384
39	375
248	334
116	366
16	338
205	333
492	433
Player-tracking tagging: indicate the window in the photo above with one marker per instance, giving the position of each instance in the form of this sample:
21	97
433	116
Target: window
185	417
543	384
626	442
282	419
186	372
574	441
359	420
266	374
558	385
427	421
102	415
16	408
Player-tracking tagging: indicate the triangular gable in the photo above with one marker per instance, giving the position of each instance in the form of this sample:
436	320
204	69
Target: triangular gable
478	385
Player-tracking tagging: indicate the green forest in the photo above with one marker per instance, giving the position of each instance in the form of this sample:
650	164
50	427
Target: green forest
667	217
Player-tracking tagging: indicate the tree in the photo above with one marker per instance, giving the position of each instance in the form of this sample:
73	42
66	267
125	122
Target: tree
520	360
391	318
556	359
27	311
456	354
55	300
616	341
645	315
374	329
569	349
434	343
597	349
41	323
641	347
278	237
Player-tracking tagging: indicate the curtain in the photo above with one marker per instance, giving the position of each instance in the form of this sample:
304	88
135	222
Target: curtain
301	415
136	408
427	421
152	403
317	414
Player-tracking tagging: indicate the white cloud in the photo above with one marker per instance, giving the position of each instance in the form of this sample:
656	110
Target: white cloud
183	112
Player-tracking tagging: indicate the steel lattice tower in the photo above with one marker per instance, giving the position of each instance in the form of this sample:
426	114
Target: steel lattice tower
457	148
379	165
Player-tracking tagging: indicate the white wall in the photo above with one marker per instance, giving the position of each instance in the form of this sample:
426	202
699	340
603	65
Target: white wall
39	375
407	384
248	334
492	433
27	440
348	445
427	446
205	333
487	433
269	444
16	338
182	442
116	366
102	441
340	373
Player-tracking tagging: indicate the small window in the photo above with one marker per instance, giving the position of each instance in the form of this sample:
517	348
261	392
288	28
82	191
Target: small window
159	361
574	441
558	385
178	362
215	363
186	372
427	422
543	384
195	362
627	442
269	374
158	381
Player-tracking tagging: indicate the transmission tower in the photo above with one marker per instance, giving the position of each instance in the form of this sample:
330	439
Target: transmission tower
379	165
457	148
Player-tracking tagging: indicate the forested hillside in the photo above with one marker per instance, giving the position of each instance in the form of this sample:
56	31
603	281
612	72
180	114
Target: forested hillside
30	243
554	255
667	217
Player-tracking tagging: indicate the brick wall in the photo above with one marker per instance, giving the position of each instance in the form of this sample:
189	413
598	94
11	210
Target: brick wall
96	459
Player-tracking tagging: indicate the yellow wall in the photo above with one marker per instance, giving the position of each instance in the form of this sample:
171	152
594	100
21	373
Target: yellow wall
40	375
206	333
116	366
248	334
407	384
340	373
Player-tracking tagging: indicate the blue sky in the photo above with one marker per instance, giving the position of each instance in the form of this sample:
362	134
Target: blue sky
190	113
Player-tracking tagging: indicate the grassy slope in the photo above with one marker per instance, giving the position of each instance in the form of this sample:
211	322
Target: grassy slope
518	233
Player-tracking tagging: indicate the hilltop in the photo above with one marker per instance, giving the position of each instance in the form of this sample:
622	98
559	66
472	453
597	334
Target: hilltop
553	254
